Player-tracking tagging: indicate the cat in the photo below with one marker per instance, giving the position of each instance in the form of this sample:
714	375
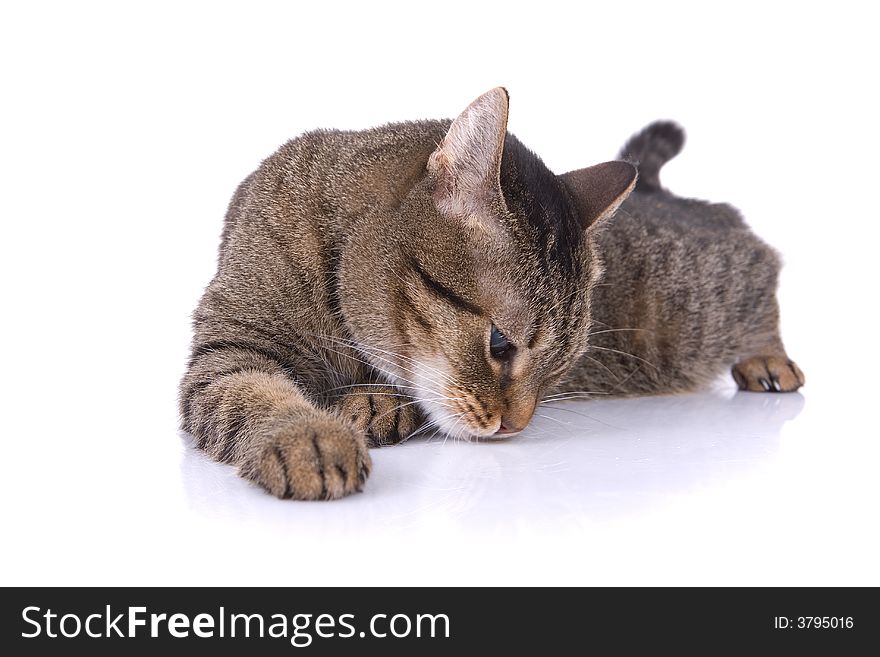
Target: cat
687	291
435	275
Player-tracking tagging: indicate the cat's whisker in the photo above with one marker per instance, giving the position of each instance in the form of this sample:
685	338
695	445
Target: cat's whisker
567	398
435	424
625	353
413	361
439	400
425	426
412	384
362	346
397	409
600	364
366	363
584	415
562	399
553	419
349	386
575	392
627	378
615	330
352	386
373	365
460	430
405	369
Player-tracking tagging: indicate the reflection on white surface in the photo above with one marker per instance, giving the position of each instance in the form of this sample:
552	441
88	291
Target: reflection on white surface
582	461
716	487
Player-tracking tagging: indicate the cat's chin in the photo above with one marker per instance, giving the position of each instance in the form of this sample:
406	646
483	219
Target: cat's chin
454	428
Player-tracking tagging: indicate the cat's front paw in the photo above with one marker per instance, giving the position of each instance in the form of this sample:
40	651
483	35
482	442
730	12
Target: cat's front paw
768	374
314	459
386	416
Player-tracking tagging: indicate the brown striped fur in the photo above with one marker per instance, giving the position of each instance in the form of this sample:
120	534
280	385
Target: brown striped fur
360	275
688	291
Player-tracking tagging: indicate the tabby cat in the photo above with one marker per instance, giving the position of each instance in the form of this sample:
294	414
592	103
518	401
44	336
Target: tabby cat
435	275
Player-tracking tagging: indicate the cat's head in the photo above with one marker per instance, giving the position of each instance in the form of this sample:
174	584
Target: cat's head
480	299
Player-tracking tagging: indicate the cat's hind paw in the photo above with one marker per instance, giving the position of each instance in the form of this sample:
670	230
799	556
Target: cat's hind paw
386	416
768	374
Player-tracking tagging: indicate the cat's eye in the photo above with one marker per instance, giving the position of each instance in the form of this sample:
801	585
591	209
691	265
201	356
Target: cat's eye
499	345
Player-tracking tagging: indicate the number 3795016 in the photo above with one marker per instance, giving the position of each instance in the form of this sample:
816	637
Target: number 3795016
814	622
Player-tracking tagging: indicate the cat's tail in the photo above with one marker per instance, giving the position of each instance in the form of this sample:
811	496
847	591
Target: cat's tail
650	149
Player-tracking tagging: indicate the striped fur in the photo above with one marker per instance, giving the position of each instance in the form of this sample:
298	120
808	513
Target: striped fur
360	276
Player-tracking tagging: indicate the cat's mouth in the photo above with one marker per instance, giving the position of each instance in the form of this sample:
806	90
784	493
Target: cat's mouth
460	413
463	423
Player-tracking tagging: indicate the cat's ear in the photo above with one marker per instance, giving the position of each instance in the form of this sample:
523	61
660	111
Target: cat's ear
599	190
467	163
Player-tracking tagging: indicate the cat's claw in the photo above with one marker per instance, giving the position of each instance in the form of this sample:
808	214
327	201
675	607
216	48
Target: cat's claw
768	374
383	413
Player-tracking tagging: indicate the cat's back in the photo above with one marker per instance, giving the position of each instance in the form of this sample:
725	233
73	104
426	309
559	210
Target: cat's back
665	213
325	173
663	228
289	220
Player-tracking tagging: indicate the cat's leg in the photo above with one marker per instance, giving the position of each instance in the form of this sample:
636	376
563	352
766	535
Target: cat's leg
382	412
768	368
773	372
244	409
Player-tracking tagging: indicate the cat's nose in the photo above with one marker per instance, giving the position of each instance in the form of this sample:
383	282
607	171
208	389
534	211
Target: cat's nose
515	417
509	427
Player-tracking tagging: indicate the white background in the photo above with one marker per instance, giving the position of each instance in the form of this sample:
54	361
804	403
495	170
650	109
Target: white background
124	133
